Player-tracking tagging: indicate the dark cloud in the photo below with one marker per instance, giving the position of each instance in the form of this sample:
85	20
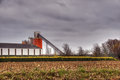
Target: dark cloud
1	1
68	30
59	17
77	22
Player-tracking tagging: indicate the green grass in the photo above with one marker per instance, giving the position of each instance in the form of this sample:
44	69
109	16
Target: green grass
79	74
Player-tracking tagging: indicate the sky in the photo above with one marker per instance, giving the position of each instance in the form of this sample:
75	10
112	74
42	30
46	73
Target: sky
76	22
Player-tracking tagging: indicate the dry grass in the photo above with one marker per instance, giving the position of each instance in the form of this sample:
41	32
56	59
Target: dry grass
67	65
77	69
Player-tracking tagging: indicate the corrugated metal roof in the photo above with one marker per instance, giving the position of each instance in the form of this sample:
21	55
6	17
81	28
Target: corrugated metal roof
15	45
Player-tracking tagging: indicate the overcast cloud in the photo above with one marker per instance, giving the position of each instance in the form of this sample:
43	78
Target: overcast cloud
76	22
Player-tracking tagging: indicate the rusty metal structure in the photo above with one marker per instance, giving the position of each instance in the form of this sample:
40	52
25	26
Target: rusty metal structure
35	43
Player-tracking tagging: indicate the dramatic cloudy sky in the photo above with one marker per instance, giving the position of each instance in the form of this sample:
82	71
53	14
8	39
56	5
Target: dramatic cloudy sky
76	22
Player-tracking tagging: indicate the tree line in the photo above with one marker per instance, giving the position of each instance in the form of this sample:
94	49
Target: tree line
110	48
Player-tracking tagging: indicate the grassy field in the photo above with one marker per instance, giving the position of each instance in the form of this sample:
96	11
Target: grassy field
60	70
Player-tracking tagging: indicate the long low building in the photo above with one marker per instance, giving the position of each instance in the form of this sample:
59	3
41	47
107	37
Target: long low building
19	49
37	45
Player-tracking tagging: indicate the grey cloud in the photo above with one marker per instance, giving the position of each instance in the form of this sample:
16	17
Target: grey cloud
77	22
1	1
59	17
68	30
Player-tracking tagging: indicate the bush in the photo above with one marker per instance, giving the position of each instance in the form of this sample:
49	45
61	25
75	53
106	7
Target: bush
54	58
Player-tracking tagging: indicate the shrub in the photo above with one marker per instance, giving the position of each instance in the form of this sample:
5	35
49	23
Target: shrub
54	58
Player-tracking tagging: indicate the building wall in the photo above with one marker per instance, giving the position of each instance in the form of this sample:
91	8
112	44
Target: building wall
18	51
31	51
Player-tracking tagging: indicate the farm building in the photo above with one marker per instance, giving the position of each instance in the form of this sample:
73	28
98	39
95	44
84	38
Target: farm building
35	46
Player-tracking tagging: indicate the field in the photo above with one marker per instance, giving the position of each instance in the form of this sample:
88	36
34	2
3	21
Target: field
60	70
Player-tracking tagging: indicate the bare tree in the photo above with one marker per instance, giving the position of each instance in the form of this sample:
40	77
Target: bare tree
113	45
105	50
80	51
86	53
97	50
67	50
